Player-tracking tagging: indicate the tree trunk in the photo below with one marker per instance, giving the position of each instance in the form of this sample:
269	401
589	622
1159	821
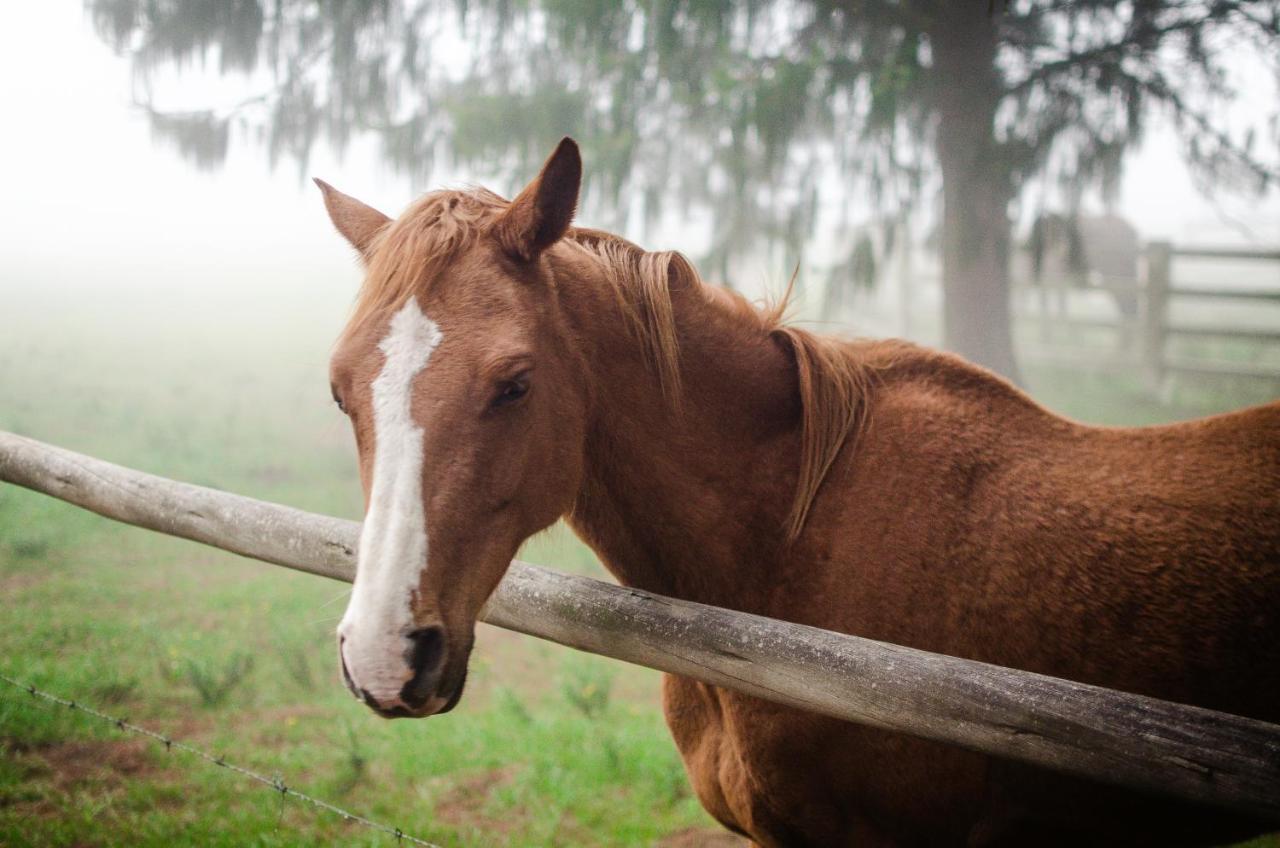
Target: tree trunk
977	188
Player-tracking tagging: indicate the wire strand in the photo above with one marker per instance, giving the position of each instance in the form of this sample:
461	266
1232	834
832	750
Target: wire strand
275	783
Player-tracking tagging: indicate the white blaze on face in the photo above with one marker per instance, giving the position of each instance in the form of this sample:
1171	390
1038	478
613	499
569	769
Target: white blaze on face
393	541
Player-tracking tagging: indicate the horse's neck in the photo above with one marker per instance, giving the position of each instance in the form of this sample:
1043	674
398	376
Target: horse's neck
690	502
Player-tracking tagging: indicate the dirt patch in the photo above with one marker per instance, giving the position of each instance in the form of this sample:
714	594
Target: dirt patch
463	803
61	776
111	762
702	837
15	583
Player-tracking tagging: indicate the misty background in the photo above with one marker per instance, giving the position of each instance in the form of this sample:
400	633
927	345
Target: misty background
176	162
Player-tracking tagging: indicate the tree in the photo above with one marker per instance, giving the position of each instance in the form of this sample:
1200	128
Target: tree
747	109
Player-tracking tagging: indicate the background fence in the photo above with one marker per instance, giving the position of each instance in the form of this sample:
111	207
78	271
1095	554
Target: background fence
1165	322
1187	310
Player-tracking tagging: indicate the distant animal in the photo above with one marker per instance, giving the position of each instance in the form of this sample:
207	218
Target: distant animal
1085	250
503	369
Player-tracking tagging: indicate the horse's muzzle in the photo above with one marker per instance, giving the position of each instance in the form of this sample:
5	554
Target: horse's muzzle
427	691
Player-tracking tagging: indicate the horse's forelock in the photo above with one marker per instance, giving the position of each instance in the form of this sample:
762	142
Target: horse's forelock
409	256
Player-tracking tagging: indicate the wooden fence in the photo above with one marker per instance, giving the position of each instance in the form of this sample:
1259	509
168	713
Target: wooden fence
1109	736
1143	337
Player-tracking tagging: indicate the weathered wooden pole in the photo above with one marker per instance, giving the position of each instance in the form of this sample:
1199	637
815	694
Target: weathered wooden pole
1114	737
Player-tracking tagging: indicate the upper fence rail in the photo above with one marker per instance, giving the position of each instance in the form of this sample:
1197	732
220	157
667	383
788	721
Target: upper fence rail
1211	252
1113	737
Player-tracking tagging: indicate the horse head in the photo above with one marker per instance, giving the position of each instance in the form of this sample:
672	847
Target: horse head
459	380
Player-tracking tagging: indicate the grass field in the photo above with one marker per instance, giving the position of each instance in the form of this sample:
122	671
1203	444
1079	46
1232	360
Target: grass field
549	747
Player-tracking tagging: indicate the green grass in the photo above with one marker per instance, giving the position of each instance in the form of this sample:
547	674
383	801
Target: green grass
549	747
1123	400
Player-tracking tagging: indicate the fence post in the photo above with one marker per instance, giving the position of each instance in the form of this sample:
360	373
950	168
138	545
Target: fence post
1155	312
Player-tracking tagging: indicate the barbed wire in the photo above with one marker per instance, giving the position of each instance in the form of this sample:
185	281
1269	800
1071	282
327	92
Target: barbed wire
275	783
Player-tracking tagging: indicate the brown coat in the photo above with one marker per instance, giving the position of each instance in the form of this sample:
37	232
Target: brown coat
706	450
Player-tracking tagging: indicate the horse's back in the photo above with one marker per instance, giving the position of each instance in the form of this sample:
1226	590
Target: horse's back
968	521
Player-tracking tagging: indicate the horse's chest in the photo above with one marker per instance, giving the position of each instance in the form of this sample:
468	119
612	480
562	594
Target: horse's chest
697	723
755	767
786	777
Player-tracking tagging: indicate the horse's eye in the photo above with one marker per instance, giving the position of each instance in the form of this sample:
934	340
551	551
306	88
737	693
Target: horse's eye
510	391
341	407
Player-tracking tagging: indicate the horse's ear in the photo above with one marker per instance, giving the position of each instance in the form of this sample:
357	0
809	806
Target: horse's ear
541	214
357	222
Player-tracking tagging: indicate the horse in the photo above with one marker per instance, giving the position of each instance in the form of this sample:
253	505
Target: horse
1084	251
503	369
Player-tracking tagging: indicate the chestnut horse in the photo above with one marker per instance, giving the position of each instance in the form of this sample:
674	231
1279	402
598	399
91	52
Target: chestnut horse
503	369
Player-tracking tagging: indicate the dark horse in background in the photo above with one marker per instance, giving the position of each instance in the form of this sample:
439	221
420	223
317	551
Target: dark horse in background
504	369
1082	252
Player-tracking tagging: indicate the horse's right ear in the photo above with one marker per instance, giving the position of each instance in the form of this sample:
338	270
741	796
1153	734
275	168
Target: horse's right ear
357	222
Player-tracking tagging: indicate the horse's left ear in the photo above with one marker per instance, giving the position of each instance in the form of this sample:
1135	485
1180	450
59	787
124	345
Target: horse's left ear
541	214
357	222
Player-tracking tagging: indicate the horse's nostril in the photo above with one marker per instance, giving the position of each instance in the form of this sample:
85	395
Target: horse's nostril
427	651
425	658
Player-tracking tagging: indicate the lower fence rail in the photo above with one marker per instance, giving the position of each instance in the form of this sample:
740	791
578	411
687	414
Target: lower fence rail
1113	737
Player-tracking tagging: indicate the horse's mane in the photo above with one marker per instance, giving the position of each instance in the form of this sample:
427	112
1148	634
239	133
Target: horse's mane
413	251
833	382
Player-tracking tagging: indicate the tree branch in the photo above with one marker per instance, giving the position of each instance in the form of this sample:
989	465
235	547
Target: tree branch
1117	49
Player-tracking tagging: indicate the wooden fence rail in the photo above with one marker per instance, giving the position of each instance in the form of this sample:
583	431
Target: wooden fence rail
1114	737
1144	338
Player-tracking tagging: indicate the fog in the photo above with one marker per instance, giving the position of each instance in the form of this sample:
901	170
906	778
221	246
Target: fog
99	203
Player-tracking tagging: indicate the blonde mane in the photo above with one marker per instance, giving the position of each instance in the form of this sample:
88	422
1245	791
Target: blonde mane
833	383
411	254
